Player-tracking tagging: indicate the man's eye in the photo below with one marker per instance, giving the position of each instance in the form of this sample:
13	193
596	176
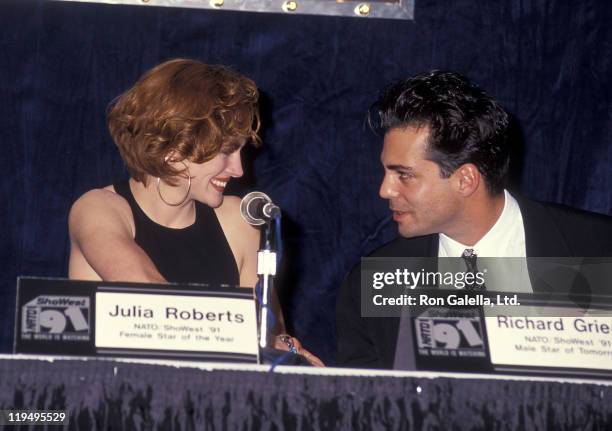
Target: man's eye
405	175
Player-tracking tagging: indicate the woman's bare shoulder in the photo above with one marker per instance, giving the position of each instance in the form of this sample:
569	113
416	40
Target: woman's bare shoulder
229	212
234	226
103	197
98	205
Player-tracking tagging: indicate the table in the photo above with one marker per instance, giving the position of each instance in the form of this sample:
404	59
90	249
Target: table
118	394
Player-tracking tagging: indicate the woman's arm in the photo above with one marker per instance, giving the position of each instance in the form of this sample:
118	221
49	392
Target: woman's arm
102	242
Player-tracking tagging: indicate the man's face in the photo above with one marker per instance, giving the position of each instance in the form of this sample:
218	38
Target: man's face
421	200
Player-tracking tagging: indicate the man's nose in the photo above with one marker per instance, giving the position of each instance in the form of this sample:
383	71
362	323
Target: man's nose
387	188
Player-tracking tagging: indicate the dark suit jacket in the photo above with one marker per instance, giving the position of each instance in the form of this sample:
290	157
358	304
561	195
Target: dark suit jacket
550	231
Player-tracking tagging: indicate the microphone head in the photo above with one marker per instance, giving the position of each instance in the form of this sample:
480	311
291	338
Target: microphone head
251	207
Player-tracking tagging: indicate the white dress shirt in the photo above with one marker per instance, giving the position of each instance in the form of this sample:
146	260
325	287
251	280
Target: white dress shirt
506	239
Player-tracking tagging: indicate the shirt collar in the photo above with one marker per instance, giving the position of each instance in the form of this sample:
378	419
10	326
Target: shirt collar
503	239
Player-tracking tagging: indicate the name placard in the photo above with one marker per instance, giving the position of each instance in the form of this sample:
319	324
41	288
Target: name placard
579	342
546	334
197	322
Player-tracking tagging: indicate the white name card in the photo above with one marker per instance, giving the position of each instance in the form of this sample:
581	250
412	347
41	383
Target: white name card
211	324
580	341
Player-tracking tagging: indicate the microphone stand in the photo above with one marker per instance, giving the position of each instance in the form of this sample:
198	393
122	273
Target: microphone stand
266	270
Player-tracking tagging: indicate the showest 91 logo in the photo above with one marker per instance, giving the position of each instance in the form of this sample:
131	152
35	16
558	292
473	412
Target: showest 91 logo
449	336
49	317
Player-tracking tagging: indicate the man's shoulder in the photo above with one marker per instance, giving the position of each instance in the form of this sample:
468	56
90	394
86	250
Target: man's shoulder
582	232
576	215
566	215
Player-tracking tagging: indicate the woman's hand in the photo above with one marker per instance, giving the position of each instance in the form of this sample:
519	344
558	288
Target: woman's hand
292	344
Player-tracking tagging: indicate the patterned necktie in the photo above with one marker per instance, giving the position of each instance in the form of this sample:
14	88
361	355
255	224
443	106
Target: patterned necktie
470	257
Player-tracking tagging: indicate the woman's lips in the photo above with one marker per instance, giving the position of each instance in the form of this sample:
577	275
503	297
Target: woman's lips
219	184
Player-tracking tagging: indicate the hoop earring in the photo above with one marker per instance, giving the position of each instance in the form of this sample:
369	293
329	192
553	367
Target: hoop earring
175	204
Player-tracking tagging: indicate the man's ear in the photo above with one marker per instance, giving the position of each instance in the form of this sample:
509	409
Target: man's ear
467	179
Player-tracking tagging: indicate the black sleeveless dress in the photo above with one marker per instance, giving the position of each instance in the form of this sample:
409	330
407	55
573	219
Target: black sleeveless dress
198	253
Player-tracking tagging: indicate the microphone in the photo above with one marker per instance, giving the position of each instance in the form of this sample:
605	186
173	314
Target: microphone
257	208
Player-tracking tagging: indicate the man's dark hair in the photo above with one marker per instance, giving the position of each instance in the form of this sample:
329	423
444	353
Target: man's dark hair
465	124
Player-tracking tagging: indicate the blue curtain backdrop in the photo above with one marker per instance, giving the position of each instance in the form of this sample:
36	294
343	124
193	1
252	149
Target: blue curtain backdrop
548	63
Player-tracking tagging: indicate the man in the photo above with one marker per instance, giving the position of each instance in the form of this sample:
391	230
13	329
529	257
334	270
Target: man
446	156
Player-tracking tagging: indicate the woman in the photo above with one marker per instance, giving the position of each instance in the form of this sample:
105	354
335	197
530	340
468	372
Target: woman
180	131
